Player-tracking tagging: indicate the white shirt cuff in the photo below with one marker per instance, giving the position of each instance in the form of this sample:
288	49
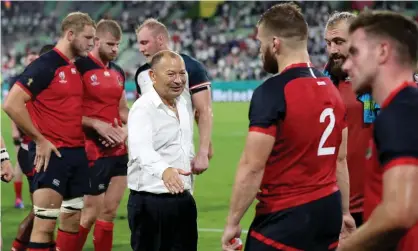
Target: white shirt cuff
158	168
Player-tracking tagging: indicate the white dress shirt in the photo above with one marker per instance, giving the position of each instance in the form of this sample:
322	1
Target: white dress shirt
157	139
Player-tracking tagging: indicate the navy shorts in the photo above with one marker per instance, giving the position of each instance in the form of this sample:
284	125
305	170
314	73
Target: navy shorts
67	175
26	166
314	226
103	170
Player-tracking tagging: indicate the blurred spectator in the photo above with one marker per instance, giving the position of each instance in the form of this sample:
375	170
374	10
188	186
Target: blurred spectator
225	43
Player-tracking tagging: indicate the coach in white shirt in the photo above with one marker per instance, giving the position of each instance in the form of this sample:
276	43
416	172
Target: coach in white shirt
161	211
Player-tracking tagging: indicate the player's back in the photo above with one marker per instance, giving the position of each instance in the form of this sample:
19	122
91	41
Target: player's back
302	165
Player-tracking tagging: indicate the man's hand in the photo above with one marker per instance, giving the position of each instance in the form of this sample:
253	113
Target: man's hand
230	232
111	134
43	154
6	171
172	180
348	227
121	131
200	163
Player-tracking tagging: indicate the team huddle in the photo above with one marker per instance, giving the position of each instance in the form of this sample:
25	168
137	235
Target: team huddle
324	155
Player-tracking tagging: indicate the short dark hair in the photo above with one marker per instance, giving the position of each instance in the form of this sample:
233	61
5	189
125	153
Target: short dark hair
159	55
285	20
391	25
46	48
111	26
337	16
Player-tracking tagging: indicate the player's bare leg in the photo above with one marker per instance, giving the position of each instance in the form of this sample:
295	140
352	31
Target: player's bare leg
47	203
18	184
92	206
69	224
101	211
103	231
24	231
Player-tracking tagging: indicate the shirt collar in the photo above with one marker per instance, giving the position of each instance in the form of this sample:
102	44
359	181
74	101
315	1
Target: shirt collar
156	99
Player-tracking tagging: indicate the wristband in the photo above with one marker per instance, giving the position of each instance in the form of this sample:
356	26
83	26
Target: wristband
4	155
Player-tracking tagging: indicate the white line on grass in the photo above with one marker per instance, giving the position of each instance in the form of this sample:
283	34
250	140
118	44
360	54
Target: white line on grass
217	230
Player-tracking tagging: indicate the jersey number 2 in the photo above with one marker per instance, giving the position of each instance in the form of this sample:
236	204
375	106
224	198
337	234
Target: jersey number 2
328	112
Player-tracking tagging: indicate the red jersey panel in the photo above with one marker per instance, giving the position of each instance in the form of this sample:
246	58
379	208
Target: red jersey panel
395	142
359	134
103	89
56	89
304	111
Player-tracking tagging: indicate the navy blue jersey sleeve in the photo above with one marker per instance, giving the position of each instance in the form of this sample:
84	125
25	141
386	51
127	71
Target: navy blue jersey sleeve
36	77
198	76
85	64
121	72
396	135
267	107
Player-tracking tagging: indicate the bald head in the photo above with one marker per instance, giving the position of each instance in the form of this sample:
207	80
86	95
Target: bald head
162	56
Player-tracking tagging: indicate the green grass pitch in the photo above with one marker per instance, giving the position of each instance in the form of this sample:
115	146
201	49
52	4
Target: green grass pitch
212	192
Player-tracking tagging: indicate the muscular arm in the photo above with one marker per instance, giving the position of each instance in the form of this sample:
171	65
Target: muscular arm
249	174
15	107
203	103
397	212
123	109
342	173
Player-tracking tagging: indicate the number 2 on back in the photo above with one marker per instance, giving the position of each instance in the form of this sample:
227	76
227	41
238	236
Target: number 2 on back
328	112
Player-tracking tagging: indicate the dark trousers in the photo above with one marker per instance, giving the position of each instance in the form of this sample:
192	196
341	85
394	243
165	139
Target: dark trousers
162	222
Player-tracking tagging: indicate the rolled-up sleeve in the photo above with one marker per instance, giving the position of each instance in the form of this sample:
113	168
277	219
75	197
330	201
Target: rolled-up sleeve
140	143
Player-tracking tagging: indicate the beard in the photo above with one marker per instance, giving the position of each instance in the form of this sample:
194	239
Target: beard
106	56
336	67
270	63
77	50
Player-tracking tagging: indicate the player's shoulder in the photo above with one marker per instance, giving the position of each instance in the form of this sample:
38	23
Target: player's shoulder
400	112
46	64
142	68
50	59
302	72
270	89
85	64
191	63
116	67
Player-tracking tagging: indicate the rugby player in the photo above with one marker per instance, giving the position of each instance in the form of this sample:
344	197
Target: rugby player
105	111
382	57
46	103
297	134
